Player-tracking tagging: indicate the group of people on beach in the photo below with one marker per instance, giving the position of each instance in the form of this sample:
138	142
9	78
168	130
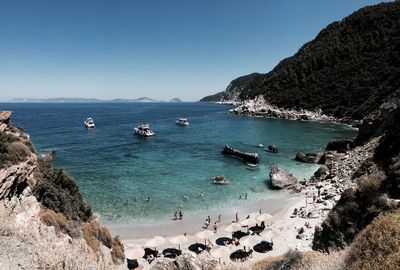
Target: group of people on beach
178	215
215	226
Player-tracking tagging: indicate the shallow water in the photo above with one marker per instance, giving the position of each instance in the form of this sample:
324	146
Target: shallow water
112	165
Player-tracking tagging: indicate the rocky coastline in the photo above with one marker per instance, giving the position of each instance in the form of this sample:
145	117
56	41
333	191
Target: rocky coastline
33	236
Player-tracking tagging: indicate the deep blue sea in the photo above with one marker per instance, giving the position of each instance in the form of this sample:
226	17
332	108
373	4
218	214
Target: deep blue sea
113	165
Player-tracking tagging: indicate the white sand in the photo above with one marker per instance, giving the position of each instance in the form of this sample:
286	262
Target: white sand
280	204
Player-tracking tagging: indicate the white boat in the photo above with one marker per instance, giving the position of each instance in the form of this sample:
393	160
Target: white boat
144	130
182	122
220	180
89	123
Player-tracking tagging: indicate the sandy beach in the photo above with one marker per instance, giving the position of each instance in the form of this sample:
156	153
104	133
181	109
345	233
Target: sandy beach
283	225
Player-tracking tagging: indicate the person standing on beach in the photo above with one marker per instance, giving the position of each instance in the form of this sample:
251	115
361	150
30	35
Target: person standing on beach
237	217
219	218
215	227
180	215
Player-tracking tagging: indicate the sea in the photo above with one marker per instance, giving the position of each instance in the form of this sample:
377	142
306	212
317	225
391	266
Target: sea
117	170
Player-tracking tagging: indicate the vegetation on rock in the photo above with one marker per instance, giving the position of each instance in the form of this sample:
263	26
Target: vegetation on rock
348	70
377	247
58	191
12	150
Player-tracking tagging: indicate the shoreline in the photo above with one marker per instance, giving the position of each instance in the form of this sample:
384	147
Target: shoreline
193	222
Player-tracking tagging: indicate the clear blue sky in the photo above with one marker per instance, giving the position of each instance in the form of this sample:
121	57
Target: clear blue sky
160	49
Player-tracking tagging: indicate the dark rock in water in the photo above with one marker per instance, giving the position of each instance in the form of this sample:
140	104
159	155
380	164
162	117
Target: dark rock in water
322	171
281	178
272	149
341	145
307	158
246	157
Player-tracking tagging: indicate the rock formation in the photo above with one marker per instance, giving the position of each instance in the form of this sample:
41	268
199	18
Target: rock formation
33	236
281	178
307	158
340	146
246	157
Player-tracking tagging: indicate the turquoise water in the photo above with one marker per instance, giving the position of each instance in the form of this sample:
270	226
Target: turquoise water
112	165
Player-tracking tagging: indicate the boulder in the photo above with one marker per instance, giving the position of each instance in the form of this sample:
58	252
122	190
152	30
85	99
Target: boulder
326	158
307	158
5	116
281	178
272	149
322	171
341	145
246	157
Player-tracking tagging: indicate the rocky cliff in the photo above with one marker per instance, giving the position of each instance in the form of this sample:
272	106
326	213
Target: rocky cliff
44	223
348	71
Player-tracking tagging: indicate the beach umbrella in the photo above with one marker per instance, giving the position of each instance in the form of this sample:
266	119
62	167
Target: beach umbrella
233	227
248	222
250	240
206	234
263	217
269	234
155	241
220	252
178	240
134	253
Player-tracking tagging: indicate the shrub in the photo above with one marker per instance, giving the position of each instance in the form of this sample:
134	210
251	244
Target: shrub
355	210
17	152
295	260
117	252
58	191
59	222
377	247
94	234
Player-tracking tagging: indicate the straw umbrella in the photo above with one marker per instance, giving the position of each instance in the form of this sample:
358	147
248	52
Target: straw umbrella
269	234
233	227
263	217
250	240
220	252
248	222
178	240
206	234
134	253
155	242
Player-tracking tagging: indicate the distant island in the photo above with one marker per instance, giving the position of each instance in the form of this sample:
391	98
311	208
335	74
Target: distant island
175	100
87	100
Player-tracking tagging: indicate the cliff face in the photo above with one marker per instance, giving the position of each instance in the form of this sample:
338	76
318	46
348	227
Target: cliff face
36	234
348	70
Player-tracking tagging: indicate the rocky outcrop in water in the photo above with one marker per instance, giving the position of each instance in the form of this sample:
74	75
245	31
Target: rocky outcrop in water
307	158
246	157
281	178
341	145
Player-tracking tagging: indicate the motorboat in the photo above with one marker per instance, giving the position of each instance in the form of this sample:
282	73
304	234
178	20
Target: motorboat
143	130
182	122
89	123
220	180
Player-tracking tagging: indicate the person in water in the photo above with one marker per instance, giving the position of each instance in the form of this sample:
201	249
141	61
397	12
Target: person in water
201	194
147	199
186	197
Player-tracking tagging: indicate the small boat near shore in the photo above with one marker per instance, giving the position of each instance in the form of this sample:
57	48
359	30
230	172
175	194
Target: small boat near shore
89	123
182	122
143	130
220	180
